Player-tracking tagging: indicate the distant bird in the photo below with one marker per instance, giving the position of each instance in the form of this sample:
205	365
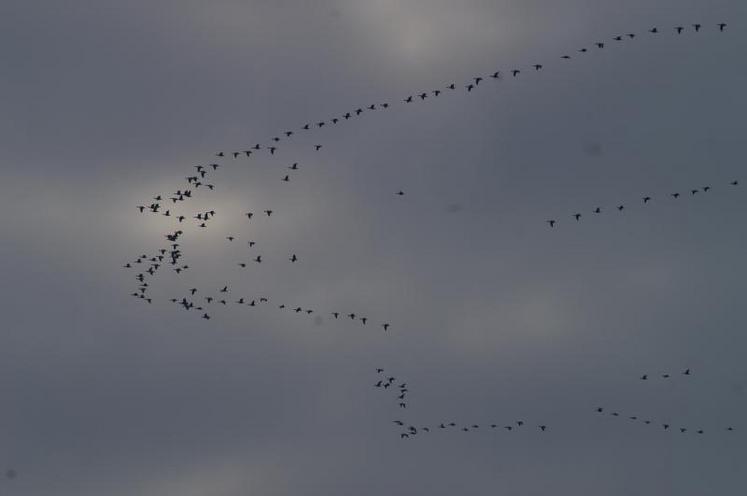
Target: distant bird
706	189
666	426
679	29
567	57
224	290
620	207
675	195
653	30
697	27
477	80
496	75
515	72
423	96
665	376
451	86
644	377
693	191
686	372
597	210
599	44
721	26
336	314
470	87
646	199
408	99
293	258
286	178
734	183
400	193
258	259
537	67
551	222
206	316
268	212
385	326
600	409
577	216
230	238
543	428
317	147
249	215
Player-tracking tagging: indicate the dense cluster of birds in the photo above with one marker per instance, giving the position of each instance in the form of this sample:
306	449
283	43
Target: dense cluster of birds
203	179
645	200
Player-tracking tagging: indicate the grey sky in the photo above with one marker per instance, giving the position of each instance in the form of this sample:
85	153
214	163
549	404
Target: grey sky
494	316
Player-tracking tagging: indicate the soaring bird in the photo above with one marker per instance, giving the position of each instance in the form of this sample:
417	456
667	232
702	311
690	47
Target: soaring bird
686	372
597	210
543	428
293	258
675	195
515	72
567	57
477	80
230	238
653	30
551	222
451	86
400	193
537	67
385	326
734	183
224	290
317	147
644	377
577	216
408	99
268	212
679	29
646	199
620	207
470	87
496	75
693	191
286	178
721	26
599	44
697	27
258	259
423	96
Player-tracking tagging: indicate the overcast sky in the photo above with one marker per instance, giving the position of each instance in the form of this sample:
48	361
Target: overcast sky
495	316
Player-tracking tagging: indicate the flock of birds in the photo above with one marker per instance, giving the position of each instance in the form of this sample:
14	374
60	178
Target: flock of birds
203	179
645	200
408	430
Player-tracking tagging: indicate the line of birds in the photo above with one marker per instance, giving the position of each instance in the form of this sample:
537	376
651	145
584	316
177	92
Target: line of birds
644	201
400	390
271	145
666	375
664	425
222	298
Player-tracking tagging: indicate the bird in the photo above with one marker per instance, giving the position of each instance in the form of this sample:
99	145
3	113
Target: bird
646	199
206	316
286	179
644	377
665	376
697	27
543	428
258	259
721	26
224	290
734	183
686	372
620	207
249	215
693	191
577	216
675	195
515	72
653	30
470	87
551	222
451	86
600	409
268	212
385	326
679	29
599	44
537	67
496	75
230	238
567	57
597	210
408	99
293	258
706	189
317	147
400	193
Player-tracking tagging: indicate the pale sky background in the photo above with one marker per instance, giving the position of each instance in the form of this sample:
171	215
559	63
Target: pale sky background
494	315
